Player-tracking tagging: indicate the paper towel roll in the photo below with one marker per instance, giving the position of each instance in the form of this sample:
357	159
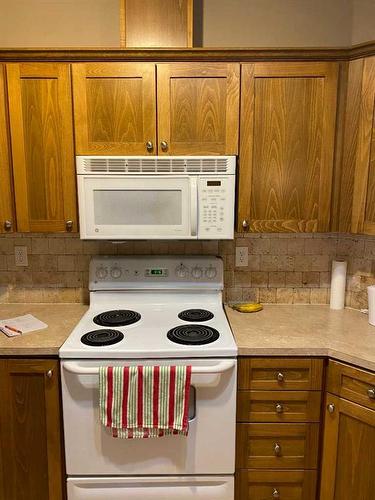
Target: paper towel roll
338	284
371	304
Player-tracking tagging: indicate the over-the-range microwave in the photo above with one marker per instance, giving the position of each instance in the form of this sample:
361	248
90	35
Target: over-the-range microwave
143	197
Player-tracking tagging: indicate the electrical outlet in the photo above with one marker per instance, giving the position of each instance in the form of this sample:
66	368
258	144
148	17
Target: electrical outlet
20	256
242	256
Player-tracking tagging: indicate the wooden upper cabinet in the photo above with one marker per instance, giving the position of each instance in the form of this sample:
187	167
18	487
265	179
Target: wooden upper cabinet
114	108
6	203
198	108
348	451
288	116
363	216
156	23
40	110
30	430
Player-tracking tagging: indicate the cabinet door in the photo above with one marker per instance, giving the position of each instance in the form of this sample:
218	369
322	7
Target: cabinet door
114	108
156	23
198	108
40	110
363	218
348	451
288	115
6	203
30	425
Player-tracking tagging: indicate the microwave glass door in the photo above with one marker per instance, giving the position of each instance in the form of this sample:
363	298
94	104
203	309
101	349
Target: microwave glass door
138	207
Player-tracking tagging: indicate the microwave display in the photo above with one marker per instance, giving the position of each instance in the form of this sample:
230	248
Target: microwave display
213	183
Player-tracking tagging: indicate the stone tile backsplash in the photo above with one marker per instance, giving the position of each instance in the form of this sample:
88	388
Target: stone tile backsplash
282	268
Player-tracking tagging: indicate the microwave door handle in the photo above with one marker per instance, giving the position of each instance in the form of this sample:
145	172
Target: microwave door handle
193	206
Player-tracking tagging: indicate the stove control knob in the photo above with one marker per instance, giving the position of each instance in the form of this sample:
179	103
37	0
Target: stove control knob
197	272
101	273
181	271
116	272
211	272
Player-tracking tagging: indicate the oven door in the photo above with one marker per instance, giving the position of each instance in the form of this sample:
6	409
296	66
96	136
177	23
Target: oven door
137	207
209	447
158	488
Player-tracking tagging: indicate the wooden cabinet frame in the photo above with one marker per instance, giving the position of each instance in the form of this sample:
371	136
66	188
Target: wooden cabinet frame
6	198
20	379
331	439
56	151
166	73
312	70
143	72
365	156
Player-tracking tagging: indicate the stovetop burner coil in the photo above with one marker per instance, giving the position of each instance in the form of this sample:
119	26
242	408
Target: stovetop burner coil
102	337
198	315
193	334
118	317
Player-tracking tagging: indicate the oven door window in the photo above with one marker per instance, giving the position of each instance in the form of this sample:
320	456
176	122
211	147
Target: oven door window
115	207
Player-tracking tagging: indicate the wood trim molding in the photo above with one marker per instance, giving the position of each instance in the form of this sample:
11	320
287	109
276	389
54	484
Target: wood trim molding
188	54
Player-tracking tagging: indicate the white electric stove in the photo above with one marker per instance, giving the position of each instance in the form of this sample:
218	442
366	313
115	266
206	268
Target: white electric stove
152	310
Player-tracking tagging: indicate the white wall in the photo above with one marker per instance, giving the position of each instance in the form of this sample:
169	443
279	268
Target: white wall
363	21
226	23
59	23
276	23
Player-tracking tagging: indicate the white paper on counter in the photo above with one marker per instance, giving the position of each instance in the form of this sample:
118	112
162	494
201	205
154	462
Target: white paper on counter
26	324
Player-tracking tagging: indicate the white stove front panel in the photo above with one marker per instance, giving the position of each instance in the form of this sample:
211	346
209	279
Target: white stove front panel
157	488
209	448
147	338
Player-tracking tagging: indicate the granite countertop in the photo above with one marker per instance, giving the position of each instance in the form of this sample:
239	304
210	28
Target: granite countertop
60	318
299	330
278	330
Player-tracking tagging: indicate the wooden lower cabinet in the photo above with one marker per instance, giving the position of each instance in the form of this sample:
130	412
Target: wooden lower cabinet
271	485
348	469
30	430
278	428
277	446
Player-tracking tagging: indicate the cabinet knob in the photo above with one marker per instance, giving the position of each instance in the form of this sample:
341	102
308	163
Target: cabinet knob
277	449
331	408
280	377
164	145
279	408
245	224
49	374
149	146
8	225
371	393
275	493
69	225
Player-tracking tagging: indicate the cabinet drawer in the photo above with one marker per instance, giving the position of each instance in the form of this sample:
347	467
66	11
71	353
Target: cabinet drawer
277	446
272	374
282	485
352	384
277	406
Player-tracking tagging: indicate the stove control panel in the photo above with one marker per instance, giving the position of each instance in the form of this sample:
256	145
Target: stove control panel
123	272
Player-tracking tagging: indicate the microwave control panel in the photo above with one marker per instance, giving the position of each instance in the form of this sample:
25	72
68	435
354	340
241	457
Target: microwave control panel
216	207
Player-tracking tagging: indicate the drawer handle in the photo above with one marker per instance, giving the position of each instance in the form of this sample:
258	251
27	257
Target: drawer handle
275	493
49	374
280	377
371	393
279	408
277	449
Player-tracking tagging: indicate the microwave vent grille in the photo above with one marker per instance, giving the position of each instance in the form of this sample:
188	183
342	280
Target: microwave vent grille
164	165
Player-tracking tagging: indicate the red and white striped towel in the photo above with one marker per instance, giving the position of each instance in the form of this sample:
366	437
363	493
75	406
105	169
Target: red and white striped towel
145	401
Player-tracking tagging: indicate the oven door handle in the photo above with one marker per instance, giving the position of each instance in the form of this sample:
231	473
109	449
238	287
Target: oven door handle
193	206
221	367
